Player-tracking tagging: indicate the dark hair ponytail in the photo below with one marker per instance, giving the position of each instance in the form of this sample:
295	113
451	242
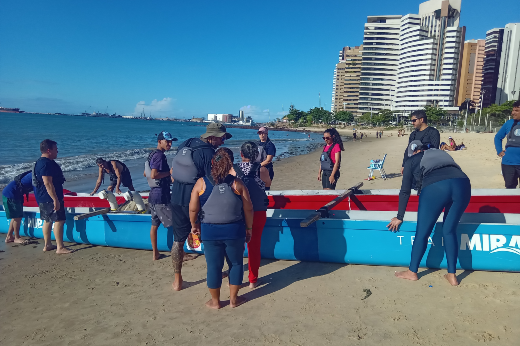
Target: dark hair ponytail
336	138
221	164
249	150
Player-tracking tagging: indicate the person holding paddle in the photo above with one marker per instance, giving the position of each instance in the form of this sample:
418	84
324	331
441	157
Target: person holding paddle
330	159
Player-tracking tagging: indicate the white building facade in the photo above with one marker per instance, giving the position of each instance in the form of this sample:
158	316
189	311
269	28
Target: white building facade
508	86
431	45
223	118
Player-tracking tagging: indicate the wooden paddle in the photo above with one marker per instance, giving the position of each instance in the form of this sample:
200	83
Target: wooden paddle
93	213
324	211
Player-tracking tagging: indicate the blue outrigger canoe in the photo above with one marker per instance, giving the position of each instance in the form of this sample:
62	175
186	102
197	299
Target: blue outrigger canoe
487	241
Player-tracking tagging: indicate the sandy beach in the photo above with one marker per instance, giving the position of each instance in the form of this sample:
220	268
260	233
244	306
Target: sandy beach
110	296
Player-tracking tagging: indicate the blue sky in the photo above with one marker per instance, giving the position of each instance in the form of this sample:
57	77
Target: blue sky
184	59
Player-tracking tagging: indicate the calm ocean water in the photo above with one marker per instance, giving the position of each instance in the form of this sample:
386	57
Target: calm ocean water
82	139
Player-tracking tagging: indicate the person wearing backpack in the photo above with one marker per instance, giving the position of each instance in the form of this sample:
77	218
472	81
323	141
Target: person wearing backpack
48	179
267	151
441	185
192	161
255	178
12	198
511	154
330	159
157	172
221	214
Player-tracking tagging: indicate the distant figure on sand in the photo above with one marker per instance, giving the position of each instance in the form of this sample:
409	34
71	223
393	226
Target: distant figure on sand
450	146
12	198
330	159
268	151
118	172
225	223
354	134
157	172
255	178
511	154
429	136
192	161
441	185
48	179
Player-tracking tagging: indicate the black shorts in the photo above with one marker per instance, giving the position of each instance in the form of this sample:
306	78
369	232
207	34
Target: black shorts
47	212
511	175
162	213
325	180
181	223
126	180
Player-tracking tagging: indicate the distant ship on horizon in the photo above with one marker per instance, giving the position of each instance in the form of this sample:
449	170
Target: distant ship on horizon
10	110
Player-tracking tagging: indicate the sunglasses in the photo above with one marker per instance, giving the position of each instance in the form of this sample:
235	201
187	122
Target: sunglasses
414	120
325	138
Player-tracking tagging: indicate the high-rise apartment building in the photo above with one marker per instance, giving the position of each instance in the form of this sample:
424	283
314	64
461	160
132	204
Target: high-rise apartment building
508	84
345	86
493	54
431	44
471	71
380	58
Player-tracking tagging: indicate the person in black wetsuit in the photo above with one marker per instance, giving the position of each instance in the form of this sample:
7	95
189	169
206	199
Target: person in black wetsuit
441	184
119	174
429	136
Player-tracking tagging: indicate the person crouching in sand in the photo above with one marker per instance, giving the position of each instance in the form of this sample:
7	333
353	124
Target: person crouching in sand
224	223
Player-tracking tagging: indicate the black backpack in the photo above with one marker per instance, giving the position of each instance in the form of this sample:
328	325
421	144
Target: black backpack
24	190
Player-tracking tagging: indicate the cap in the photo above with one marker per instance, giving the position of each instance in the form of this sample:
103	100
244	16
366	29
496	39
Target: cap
165	135
450	137
263	129
216	130
413	146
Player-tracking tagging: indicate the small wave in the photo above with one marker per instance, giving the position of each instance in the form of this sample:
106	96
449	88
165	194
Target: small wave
74	163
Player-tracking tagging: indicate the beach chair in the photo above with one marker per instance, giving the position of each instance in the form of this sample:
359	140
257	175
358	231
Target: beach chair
378	166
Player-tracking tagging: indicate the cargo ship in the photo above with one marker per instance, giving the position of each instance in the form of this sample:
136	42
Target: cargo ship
10	110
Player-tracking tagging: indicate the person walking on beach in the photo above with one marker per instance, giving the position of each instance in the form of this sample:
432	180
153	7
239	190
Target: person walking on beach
256	179
118	172
157	172
12	198
330	159
354	134
48	179
268	152
429	136
441	184
224	225
192	161
511	154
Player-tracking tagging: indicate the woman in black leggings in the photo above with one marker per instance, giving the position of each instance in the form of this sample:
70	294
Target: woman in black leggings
441	184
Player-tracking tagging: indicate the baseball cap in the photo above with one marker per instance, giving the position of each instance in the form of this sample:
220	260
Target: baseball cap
216	130
166	135
414	145
450	137
263	129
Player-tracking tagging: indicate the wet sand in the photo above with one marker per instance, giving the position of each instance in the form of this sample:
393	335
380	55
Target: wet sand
110	296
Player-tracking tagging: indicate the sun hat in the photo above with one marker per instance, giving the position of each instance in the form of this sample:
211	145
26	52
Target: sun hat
216	130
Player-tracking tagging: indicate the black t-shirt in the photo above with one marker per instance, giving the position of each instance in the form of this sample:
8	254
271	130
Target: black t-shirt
181	193
429	136
270	149
412	172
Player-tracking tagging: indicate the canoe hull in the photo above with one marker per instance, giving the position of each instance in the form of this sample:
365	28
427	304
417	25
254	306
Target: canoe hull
482	246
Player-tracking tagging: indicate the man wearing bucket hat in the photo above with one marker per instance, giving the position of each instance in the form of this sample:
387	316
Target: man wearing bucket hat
192	161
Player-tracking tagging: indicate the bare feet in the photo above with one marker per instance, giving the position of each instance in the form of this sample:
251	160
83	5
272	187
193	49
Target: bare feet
177	284
238	301
19	241
213	304
407	274
156	256
452	279
253	284
9	239
63	251
49	247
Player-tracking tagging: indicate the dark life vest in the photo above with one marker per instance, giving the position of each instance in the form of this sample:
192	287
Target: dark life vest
223	205
35	180
183	168
325	159
256	193
148	171
23	189
112	172
513	138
